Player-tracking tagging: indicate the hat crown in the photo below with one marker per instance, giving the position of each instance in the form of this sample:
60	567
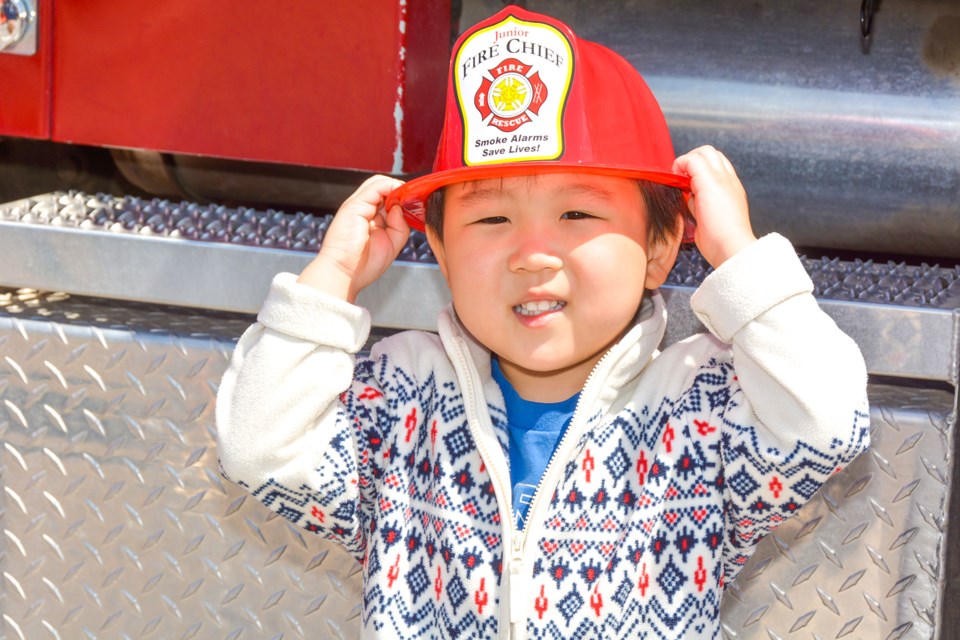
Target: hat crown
523	87
526	95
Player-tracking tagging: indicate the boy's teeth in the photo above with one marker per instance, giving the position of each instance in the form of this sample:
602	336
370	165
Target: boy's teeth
538	307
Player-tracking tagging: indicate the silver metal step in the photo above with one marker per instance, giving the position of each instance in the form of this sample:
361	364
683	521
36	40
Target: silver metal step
903	316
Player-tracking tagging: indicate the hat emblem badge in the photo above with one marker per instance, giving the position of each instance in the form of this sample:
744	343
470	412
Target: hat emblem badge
507	98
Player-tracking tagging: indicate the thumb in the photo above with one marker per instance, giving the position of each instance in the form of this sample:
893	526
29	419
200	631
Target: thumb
397	228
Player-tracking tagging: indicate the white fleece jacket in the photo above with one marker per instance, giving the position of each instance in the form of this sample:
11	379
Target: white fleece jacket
674	465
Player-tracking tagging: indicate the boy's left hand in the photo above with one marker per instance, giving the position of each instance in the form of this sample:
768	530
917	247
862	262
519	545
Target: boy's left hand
718	202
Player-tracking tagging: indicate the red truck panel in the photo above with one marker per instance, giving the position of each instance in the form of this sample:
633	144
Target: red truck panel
25	97
330	84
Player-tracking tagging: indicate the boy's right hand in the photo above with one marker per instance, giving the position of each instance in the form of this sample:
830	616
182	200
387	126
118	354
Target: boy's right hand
361	242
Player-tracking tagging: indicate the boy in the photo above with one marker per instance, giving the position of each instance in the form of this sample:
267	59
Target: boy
538	469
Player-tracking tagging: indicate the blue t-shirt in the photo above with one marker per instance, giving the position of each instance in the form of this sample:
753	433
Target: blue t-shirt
535	431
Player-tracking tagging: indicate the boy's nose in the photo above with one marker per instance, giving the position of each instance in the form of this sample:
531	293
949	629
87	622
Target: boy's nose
533	254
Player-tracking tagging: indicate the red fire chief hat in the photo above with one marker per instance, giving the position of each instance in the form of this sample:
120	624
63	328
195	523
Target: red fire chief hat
525	95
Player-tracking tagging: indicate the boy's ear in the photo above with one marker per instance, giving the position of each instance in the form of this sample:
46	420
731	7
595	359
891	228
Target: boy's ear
660	259
436	245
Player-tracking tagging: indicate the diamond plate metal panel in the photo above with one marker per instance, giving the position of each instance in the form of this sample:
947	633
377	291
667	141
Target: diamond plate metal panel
864	558
115	520
117	524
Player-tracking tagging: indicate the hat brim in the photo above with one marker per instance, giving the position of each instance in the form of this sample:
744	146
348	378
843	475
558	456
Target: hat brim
412	196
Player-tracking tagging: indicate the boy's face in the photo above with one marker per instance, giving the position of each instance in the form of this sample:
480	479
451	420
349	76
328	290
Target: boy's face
548	271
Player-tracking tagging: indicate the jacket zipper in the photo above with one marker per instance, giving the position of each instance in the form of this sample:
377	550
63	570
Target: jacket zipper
518	575
512	616
516	613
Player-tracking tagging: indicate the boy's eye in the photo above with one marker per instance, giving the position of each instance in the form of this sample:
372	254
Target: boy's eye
492	220
575	215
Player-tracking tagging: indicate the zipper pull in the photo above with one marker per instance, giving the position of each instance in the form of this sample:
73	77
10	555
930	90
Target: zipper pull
517	608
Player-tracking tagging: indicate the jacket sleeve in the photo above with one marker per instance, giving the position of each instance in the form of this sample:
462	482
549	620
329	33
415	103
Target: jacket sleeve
283	432
797	411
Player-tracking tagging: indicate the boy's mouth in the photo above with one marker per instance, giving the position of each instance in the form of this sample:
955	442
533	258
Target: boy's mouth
537	307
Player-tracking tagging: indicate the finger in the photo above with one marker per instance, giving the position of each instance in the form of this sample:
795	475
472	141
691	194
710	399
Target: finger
713	158
692	163
375	189
727	164
716	158
397	228
368	197
377	221
378	179
682	164
367	187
